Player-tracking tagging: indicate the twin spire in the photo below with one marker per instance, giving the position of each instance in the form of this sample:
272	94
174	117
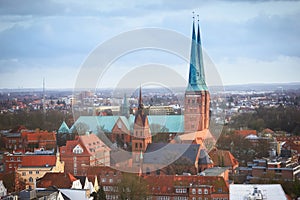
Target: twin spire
196	71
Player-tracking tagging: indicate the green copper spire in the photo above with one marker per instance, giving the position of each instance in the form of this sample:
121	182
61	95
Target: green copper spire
196	71
200	64
125	107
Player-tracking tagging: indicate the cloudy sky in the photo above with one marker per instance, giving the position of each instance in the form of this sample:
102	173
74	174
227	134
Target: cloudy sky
248	41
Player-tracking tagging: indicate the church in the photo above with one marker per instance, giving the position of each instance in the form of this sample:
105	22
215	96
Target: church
186	150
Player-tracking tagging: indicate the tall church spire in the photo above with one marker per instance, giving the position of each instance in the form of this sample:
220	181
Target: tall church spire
196	70
200	64
141	106
197	97
193	80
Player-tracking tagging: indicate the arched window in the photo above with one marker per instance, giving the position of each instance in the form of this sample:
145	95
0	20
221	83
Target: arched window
30	179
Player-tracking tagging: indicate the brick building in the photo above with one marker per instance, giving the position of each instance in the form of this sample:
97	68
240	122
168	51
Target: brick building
168	187
271	169
84	151
33	167
22	140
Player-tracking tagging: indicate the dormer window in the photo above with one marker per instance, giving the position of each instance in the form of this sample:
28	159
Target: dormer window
78	149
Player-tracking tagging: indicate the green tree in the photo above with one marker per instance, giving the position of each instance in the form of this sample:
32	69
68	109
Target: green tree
132	187
99	195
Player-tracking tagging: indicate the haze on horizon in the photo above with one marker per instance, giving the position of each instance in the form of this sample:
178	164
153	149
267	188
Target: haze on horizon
248	41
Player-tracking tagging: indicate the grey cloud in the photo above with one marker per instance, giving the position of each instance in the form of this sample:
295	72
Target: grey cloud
30	7
262	37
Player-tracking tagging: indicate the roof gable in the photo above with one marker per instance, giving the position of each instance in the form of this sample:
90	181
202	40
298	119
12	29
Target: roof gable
63	128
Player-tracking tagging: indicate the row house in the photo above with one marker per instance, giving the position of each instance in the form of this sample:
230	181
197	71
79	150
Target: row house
14	160
271	169
184	187
168	187
22	140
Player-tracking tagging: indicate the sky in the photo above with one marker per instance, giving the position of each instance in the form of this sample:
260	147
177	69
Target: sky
249	41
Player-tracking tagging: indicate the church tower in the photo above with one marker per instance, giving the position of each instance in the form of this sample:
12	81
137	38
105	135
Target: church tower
141	131
124	107
197	97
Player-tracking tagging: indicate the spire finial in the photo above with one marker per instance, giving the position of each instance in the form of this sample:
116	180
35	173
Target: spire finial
193	16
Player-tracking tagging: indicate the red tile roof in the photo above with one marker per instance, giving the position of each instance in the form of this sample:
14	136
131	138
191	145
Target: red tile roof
60	180
39	136
245	133
267	130
89	143
223	158
38	160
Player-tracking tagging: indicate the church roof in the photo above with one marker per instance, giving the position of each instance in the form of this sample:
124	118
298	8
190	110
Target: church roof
204	157
106	123
169	123
162	153
63	128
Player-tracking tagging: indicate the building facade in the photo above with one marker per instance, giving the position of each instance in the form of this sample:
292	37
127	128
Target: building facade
84	151
36	166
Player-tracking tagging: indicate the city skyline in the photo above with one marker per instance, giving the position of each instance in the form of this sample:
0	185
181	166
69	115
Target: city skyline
249	42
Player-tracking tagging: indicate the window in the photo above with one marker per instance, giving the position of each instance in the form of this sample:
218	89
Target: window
18	159
10	165
11	159
30	179
37	172
199	198
30	172
136	145
103	180
193	191
110	180
23	173
77	149
141	145
194	198
199	191
205	191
